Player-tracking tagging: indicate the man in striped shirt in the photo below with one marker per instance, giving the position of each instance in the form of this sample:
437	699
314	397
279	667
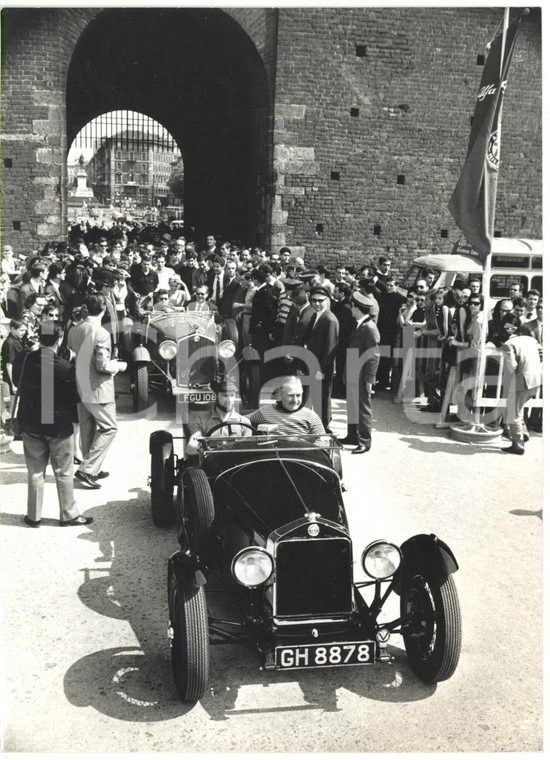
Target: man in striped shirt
290	416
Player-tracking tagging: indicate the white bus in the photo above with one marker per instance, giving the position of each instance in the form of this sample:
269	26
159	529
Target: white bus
513	260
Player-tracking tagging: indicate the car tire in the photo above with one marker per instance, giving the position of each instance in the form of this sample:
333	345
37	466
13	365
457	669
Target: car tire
433	636
161	448
141	386
230	331
196	507
189	645
251	384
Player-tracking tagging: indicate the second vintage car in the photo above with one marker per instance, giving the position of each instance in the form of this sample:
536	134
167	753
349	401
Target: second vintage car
181	352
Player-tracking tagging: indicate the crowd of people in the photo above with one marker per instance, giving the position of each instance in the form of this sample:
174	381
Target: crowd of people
92	286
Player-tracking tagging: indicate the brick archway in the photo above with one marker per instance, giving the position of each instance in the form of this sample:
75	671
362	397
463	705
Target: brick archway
207	75
200	75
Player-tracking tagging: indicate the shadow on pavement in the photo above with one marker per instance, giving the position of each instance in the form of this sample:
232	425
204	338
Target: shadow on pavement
135	683
527	512
449	447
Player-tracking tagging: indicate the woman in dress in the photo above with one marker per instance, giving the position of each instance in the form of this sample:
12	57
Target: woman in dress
178	293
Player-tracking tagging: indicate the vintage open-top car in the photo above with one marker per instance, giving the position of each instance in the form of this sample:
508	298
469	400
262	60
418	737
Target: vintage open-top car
266	514
180	353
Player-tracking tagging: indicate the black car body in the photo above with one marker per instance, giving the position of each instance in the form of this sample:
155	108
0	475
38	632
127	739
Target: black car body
266	513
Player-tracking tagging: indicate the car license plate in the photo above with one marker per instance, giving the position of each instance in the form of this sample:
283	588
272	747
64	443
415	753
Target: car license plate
325	655
197	396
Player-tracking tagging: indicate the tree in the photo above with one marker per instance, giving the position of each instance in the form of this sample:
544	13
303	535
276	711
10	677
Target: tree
175	181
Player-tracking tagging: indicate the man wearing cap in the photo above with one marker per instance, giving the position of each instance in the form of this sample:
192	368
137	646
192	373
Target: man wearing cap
223	411
296	324
360	374
322	340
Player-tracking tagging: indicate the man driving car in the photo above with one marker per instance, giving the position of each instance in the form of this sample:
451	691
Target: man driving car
223	412
289	414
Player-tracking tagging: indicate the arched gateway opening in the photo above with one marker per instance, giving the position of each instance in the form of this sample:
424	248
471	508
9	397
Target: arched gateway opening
197	73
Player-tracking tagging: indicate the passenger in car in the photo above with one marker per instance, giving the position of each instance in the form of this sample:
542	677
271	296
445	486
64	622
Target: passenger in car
222	412
289	413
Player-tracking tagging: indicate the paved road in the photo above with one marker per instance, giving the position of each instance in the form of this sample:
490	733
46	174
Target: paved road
84	614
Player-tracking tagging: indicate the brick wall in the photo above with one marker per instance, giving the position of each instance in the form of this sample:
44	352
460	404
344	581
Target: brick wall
372	119
372	112
37	49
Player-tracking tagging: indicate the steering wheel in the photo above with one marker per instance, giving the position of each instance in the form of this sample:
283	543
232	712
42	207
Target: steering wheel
227	424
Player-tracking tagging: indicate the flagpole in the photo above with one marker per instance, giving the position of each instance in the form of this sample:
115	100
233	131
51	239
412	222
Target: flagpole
486	279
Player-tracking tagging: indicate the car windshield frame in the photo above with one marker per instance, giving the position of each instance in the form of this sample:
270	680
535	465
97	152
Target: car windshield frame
218	444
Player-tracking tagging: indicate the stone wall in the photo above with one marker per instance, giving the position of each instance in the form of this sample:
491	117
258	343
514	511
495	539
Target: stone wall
372	111
372	119
36	54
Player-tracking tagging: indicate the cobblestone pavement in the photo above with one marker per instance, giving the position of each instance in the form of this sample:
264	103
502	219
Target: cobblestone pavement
87	666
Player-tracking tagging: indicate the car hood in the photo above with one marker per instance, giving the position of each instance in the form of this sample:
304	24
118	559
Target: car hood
177	325
271	488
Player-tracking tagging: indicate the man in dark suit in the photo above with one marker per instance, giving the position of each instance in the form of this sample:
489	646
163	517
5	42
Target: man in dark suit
533	327
322	340
47	408
215	279
262	317
388	328
361	369
294	332
232	285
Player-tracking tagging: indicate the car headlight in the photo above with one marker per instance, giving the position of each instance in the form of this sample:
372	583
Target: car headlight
252	566
380	559
226	349
168	350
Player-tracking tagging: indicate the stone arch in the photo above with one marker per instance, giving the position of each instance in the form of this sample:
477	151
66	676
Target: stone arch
227	149
201	76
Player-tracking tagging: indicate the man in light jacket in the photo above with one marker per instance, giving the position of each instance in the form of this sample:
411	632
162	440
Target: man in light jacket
95	371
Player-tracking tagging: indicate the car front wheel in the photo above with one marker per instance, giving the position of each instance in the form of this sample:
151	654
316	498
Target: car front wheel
433	632
196	507
140	386
189	634
161	448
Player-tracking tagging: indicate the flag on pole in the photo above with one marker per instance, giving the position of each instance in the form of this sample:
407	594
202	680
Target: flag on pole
473	201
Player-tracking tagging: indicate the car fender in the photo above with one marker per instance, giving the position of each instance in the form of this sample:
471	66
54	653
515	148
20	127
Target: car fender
187	568
428	550
141	354
250	354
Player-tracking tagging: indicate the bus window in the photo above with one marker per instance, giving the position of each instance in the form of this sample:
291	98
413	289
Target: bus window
536	283
503	261
536	262
411	277
500	284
